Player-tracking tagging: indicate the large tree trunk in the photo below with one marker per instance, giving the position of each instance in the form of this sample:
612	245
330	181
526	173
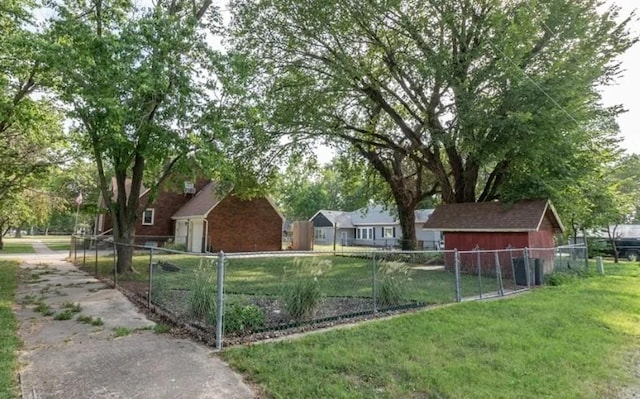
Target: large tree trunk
407	218
124	239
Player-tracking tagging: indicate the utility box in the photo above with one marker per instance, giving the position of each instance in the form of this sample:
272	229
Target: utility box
536	271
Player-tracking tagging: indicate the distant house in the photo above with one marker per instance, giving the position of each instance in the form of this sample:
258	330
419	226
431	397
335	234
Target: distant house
203	219
372	226
497	226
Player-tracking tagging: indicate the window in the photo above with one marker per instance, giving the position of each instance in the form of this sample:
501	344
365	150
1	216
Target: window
364	233
147	217
388	232
320	234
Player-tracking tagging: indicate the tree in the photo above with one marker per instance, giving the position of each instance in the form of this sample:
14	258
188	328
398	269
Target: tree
31	138
305	187
453	97
140	84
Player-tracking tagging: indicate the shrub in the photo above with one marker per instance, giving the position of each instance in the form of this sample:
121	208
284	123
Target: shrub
176	246
303	295
393	277
243	318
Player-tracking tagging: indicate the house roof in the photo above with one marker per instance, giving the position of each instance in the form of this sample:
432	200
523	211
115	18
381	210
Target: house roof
343	218
375	215
205	200
201	204
114	190
494	216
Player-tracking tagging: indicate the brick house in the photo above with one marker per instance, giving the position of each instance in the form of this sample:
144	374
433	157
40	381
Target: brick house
204	219
496	226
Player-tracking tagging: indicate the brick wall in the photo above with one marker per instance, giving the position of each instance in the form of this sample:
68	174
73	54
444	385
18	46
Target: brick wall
166	204
237	225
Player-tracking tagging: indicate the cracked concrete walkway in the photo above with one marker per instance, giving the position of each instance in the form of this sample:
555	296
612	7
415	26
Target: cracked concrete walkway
71	360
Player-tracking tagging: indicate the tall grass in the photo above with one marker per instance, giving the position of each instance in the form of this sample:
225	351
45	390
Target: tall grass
302	294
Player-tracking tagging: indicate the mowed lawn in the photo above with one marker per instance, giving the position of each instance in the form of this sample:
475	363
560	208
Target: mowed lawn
17	246
571	341
348	276
8	330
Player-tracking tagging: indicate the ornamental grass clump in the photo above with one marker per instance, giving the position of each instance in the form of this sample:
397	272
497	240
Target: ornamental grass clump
392	283
202	298
303	294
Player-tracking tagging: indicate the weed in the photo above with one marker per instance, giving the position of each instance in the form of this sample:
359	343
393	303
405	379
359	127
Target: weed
243	318
90	320
121	331
64	315
43	308
29	300
161	328
72	307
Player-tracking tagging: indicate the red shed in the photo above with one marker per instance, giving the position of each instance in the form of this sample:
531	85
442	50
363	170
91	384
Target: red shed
497	226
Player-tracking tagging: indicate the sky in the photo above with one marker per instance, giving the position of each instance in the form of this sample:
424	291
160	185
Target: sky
626	91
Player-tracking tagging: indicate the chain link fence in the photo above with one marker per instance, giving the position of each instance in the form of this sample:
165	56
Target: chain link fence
249	296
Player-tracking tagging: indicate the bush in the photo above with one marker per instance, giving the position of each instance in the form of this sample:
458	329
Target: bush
176	246
303	295
391	284
243	318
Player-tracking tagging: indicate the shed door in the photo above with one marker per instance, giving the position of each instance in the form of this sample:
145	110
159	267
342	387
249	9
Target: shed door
196	230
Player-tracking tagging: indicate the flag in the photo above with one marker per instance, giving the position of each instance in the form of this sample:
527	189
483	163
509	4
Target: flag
79	199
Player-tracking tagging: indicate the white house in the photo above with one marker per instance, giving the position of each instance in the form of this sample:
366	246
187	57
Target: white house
372	226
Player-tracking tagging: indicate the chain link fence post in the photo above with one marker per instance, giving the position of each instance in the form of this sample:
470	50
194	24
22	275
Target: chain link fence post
456	268
150	276
374	288
585	251
84	252
95	265
527	268
115	264
499	274
220	301
477	249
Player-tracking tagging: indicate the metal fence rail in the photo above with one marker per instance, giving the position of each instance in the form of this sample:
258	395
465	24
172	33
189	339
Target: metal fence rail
233	296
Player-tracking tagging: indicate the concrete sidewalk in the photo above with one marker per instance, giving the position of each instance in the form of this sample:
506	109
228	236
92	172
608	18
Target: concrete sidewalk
71	360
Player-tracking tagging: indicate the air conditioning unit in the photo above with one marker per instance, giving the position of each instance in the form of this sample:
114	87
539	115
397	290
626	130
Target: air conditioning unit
189	188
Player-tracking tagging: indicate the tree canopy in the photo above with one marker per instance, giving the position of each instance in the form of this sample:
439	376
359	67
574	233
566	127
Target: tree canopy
455	97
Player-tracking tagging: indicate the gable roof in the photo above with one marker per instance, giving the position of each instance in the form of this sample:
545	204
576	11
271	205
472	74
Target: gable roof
375	215
201	204
205	200
113	187
521	216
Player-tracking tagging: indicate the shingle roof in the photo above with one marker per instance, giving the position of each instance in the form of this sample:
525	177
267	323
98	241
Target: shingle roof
114	191
493	216
201	204
375	215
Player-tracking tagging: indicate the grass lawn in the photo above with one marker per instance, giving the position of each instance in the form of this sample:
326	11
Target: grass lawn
8	330
347	276
17	247
58	246
571	341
